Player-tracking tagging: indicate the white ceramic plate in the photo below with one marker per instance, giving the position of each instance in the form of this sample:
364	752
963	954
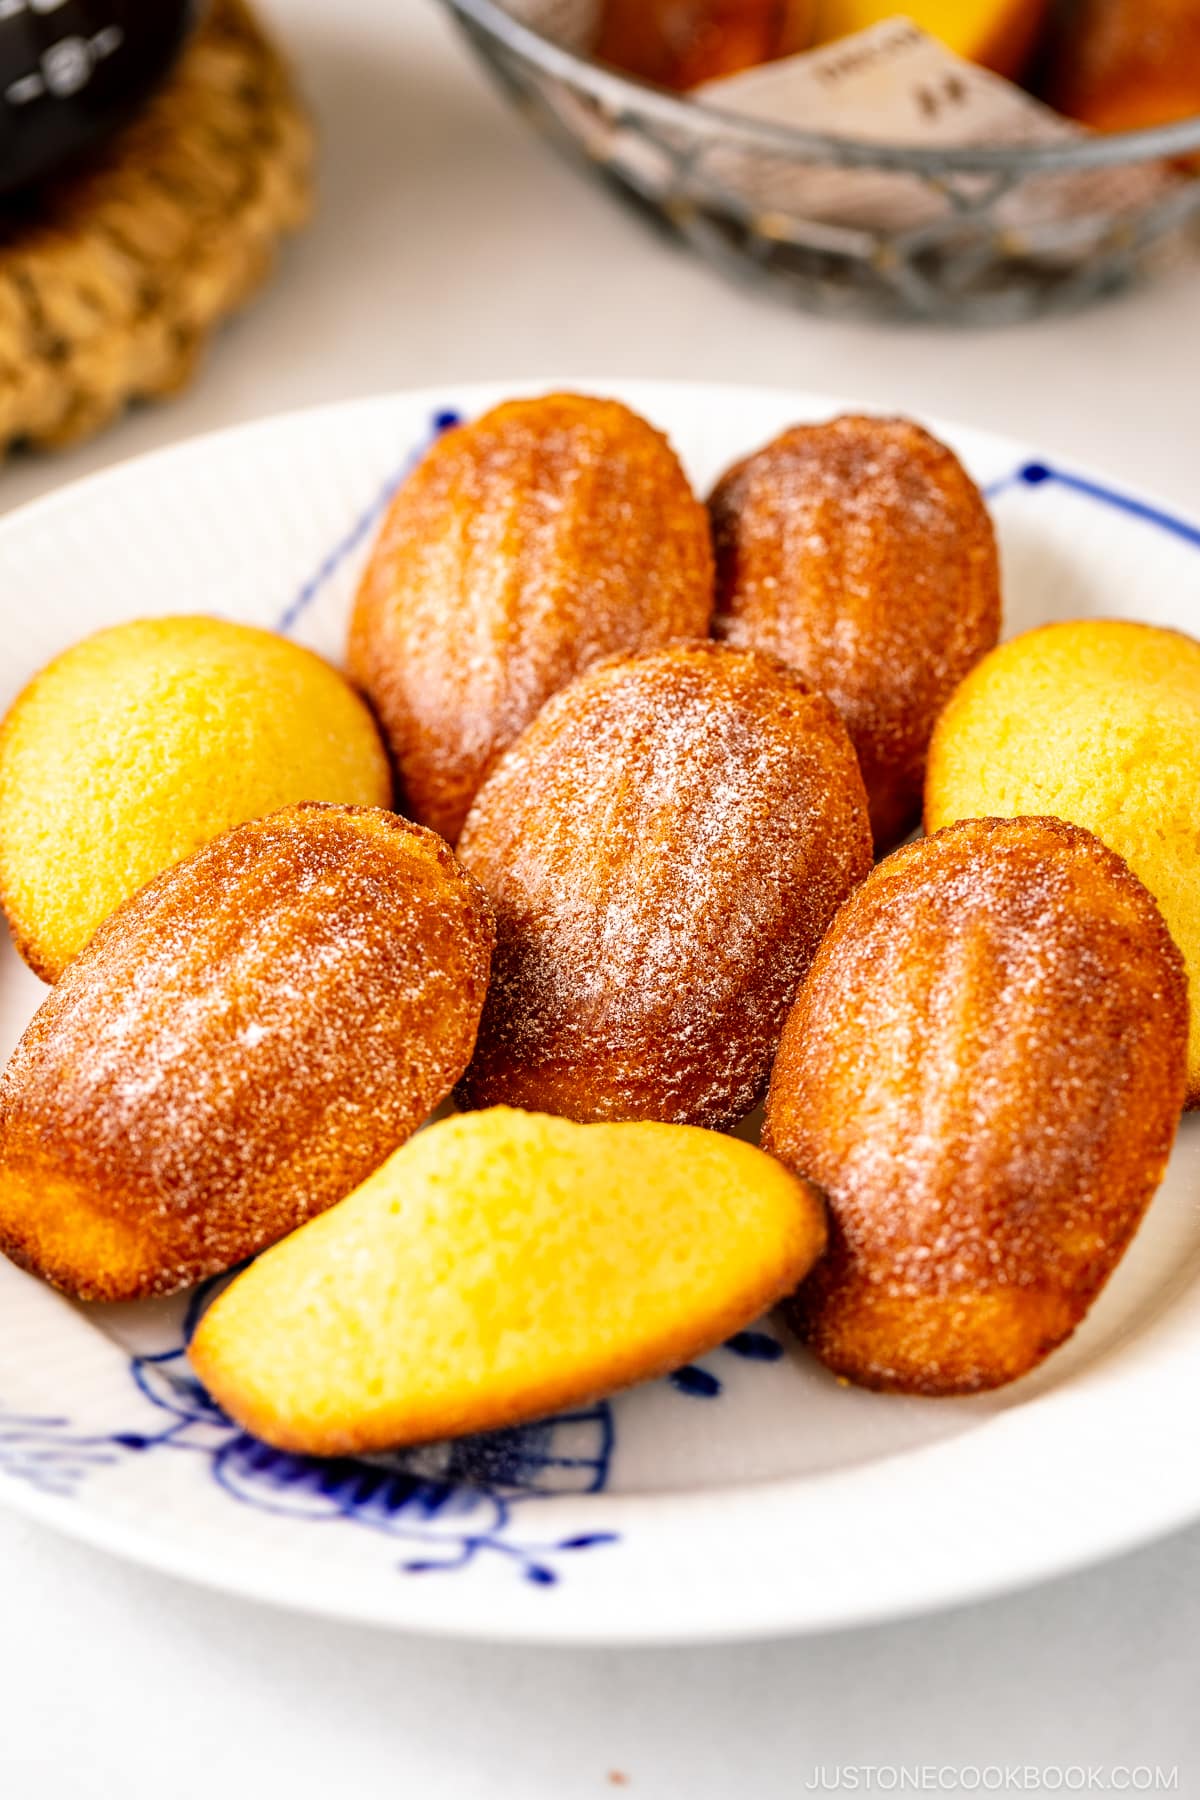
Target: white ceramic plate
749	1495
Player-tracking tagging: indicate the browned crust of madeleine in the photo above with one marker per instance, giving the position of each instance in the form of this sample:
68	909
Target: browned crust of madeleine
984	1071
861	553
1121	65
706	40
239	1046
526	545
663	847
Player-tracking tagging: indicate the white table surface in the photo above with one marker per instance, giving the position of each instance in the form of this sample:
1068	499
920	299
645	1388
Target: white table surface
448	246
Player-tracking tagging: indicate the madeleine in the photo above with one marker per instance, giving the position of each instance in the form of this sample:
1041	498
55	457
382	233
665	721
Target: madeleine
664	848
862	553
525	546
142	743
238	1047
984	1072
500	1267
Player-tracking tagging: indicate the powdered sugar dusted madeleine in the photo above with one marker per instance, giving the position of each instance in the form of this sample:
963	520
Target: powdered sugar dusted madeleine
239	1046
862	553
525	546
1096	721
984	1071
663	847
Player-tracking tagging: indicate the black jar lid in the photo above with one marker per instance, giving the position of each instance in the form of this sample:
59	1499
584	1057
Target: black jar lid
72	70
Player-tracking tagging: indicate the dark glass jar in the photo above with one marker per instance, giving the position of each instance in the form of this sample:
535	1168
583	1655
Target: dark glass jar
70	70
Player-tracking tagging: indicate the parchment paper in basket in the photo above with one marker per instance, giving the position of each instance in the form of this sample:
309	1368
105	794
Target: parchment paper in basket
891	84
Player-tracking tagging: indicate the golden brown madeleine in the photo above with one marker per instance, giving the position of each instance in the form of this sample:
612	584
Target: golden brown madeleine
862	553
984	1071
239	1046
664	848
545	535
1119	65
682	43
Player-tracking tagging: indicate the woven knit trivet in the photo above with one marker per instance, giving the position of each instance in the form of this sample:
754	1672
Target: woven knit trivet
113	278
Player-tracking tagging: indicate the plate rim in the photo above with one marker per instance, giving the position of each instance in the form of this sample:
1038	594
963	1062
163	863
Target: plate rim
277	1583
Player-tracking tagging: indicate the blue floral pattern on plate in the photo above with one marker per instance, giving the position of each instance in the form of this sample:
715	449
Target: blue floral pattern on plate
446	1505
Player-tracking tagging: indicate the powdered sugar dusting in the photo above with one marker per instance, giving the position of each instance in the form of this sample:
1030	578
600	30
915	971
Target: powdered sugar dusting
984	1070
663	847
528	544
248	1037
862	553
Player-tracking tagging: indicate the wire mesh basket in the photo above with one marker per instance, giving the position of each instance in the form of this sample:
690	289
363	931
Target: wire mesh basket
728	186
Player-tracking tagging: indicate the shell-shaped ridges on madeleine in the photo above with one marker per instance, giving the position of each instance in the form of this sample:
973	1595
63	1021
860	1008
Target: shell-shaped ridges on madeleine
984	1071
238	1047
664	848
861	553
1096	721
526	545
